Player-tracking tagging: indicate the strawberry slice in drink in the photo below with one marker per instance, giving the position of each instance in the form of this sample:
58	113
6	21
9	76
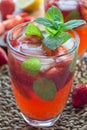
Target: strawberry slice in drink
59	74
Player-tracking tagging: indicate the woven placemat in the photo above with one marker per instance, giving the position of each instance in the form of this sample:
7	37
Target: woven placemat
10	118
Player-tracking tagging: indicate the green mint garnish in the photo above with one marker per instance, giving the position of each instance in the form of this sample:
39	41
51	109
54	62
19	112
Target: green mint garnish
54	14
32	29
47	22
57	40
55	28
71	24
45	88
73	15
32	66
50	31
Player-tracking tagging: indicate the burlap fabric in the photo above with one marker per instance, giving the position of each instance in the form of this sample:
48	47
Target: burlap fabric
71	118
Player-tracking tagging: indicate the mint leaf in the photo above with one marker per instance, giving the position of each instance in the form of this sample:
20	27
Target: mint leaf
46	22
53	42
73	15
54	14
72	24
45	88
32	29
51	31
54	27
32	66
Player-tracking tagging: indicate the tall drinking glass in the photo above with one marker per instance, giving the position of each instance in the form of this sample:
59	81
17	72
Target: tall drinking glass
73	9
41	96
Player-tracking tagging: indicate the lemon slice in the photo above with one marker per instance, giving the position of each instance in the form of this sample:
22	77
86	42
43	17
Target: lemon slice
29	5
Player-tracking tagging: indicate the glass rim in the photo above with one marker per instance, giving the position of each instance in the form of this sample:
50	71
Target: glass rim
70	51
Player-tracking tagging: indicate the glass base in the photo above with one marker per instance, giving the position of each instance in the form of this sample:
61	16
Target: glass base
80	57
40	124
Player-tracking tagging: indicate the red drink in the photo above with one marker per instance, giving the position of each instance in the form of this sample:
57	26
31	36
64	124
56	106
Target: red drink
41	96
73	9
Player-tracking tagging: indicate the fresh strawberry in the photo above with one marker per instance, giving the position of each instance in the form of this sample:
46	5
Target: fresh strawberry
2	28
3	57
7	7
79	95
10	23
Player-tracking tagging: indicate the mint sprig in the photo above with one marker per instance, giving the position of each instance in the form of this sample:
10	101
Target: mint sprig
54	27
32	66
57	40
47	22
54	14
32	29
72	24
45	88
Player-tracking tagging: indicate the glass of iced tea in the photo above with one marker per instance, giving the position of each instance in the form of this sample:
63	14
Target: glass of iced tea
73	9
41	71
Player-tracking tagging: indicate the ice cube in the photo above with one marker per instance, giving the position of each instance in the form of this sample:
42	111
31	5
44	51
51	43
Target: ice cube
46	63
31	49
67	5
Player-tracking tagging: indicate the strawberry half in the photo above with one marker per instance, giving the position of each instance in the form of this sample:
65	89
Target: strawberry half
79	95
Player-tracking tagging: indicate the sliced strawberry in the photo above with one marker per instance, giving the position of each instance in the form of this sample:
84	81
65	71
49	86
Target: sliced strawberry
3	57
60	74
59	51
31	40
24	14
10	23
14	43
2	28
28	18
50	52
